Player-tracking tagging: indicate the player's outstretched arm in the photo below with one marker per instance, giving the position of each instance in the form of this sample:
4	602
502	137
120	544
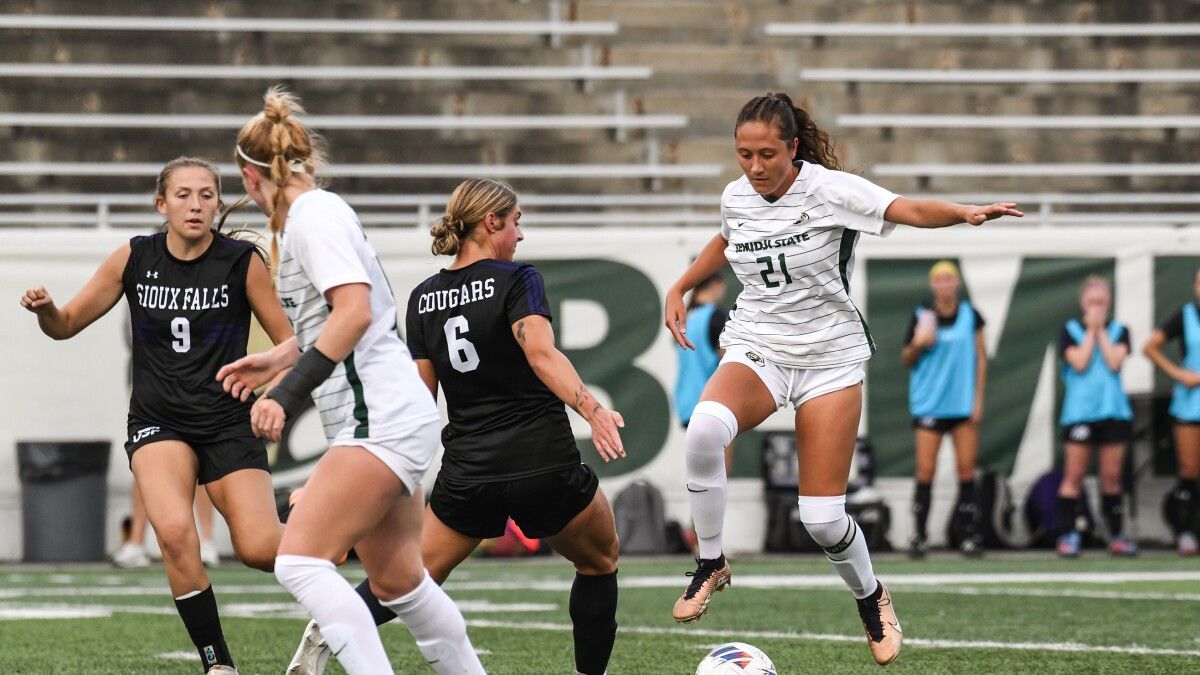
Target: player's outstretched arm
931	213
93	301
554	369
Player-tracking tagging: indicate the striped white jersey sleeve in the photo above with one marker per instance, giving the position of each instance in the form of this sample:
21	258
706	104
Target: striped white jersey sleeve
794	257
375	393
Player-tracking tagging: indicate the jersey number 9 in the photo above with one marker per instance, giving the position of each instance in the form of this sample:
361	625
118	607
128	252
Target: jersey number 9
182	331
463	356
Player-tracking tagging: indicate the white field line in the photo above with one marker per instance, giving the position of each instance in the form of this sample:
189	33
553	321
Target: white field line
783	581
828	637
243	610
272	611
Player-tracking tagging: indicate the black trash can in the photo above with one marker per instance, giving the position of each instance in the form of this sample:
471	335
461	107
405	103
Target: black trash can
64	489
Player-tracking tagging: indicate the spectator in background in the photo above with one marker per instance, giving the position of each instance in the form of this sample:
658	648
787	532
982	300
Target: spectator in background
1095	414
1183	325
705	321
944	348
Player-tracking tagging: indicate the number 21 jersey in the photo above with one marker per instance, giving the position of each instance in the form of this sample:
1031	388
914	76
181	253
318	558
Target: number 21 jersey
504	422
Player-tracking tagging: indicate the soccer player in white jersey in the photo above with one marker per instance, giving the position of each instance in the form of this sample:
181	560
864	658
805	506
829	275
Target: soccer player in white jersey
381	423
788	229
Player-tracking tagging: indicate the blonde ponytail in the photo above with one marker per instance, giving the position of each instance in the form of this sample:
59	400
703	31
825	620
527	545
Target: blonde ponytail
276	141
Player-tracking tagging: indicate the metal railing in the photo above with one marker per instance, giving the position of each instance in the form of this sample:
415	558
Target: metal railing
594	210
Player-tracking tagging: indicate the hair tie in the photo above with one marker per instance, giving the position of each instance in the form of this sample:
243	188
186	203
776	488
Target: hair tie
296	165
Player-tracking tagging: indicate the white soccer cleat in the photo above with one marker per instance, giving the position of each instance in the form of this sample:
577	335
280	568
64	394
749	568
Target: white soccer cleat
208	554
312	654
131	556
221	670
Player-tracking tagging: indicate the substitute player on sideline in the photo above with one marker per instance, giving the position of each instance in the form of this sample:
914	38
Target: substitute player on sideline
379	420
481	329
1183	325
944	347
190	291
1095	414
788	229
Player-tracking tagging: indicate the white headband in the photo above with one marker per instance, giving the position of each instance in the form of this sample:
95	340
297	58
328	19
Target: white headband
296	165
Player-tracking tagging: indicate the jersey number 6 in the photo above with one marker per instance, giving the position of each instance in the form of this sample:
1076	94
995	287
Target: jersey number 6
463	356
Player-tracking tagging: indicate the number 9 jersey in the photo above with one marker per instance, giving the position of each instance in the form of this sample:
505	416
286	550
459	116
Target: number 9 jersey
187	319
504	422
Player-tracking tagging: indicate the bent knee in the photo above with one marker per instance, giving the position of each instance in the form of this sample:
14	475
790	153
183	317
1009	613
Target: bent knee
257	557
396	585
177	539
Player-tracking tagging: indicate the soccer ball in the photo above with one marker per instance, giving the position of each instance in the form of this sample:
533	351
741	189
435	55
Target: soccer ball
736	658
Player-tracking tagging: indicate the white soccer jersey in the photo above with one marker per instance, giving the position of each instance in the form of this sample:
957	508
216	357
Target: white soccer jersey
794	257
375	393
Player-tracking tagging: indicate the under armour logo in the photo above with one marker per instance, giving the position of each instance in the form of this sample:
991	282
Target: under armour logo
151	275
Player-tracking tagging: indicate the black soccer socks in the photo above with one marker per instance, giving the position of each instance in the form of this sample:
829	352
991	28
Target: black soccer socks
199	613
593	610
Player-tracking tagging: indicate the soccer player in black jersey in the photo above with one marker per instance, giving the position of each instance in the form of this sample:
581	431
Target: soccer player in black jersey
481	330
190	291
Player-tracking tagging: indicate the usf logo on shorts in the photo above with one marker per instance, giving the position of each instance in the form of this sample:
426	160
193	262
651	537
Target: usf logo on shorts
145	433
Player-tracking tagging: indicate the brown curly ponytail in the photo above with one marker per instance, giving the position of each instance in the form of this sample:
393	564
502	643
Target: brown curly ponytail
777	109
470	202
278	145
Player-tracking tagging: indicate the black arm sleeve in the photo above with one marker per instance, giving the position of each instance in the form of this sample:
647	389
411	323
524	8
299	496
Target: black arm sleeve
715	325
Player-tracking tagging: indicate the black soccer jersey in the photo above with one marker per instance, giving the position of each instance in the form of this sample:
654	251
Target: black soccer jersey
504	422
188	318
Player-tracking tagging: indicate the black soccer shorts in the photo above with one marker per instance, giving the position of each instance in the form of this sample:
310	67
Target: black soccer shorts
219	454
541	505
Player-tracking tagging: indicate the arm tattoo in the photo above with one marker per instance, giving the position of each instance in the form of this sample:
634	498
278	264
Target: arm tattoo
581	395
521	331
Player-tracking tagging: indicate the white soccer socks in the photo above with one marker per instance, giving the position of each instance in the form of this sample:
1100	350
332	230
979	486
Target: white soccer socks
836	532
438	626
331	601
711	428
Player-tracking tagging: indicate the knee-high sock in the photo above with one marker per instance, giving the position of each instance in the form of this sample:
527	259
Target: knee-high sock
198	610
1068	508
711	428
1185	495
836	532
594	621
1114	513
438	627
332	603
920	508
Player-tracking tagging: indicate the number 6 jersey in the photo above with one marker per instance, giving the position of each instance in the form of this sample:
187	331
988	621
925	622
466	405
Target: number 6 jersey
504	422
794	257
187	318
